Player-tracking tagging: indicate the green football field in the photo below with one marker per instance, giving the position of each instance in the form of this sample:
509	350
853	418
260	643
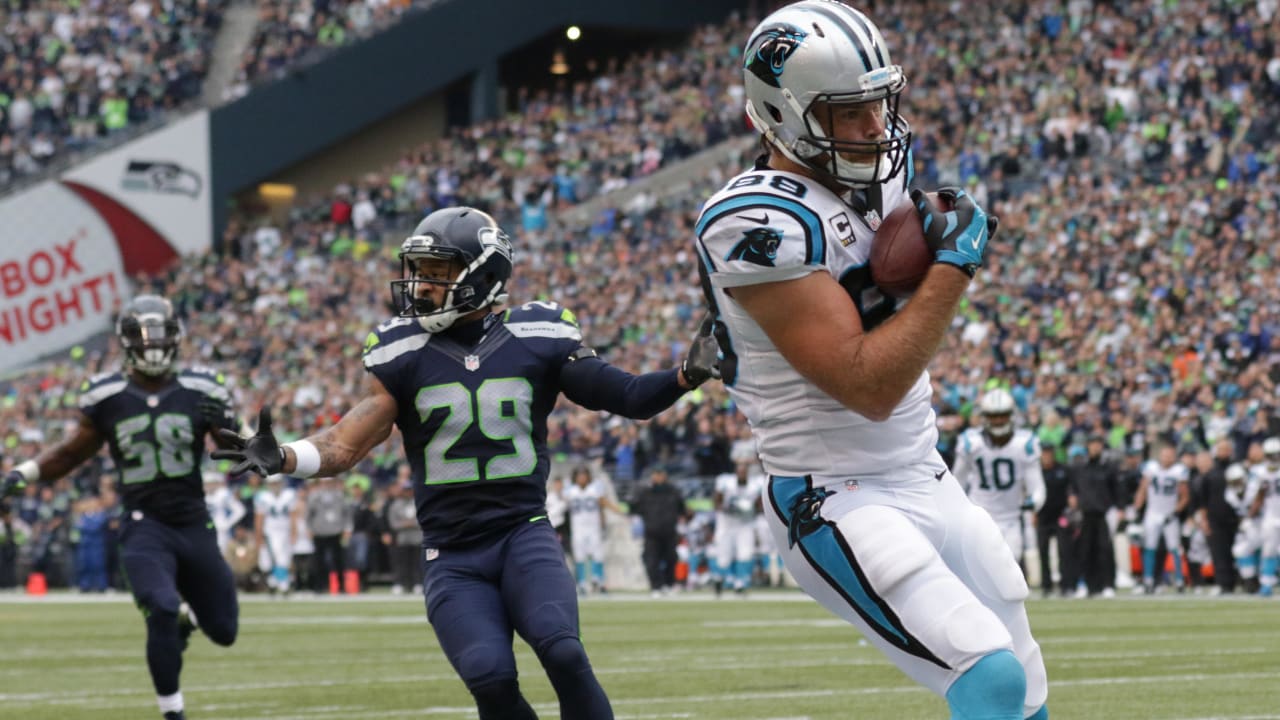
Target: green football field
774	656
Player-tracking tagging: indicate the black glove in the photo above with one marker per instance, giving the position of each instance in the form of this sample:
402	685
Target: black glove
260	453
702	362
959	236
13	484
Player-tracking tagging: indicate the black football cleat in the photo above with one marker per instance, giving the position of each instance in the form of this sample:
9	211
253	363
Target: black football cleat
175	715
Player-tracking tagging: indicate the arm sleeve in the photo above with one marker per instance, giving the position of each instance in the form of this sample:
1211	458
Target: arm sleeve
596	385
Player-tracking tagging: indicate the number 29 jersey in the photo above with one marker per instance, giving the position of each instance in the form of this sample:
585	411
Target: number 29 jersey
473	418
772	226
156	439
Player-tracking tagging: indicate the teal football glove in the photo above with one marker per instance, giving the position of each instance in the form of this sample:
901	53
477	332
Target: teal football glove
960	235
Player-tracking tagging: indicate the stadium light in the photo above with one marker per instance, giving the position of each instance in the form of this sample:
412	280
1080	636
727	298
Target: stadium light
277	191
573	32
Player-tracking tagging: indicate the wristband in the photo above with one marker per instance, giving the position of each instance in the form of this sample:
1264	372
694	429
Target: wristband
306	458
30	470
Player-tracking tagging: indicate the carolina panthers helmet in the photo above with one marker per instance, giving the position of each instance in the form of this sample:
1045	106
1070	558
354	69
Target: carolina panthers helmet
149	332
825	51
481	253
997	413
1271	448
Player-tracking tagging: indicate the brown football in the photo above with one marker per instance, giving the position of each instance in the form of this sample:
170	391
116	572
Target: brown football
899	256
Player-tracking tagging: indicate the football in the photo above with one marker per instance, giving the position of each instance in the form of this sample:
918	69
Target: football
899	256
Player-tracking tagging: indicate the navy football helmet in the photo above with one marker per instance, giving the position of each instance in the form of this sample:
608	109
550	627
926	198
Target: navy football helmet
149	332
481	255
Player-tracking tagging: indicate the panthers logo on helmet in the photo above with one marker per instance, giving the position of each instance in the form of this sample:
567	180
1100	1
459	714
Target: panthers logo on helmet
774	46
758	245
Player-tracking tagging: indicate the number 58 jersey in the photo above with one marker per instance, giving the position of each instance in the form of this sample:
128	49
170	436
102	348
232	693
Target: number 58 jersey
770	226
156	438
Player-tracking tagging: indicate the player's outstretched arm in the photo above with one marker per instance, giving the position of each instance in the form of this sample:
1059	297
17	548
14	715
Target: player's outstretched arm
328	453
53	463
596	385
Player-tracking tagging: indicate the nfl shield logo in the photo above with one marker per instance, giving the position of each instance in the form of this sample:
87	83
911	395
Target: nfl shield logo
430	554
471	362
873	220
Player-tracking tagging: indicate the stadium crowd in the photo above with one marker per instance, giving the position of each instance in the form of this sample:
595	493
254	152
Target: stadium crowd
72	72
1132	292
290	34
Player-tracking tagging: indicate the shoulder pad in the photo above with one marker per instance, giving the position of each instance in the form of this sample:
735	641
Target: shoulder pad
542	319
206	381
393	339
100	387
205	371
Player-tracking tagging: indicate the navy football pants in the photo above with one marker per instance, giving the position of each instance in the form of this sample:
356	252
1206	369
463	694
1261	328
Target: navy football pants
478	597
165	565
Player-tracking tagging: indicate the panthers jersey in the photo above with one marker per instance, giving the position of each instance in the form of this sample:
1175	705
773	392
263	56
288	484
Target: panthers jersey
771	226
157	438
1162	486
474	415
1266	479
584	504
276	508
1000	479
739	500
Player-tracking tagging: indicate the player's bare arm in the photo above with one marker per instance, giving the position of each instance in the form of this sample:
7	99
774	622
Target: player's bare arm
359	431
815	325
1140	497
327	453
84	443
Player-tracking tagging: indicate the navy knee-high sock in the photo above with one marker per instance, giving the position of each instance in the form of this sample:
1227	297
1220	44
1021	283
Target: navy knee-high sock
164	651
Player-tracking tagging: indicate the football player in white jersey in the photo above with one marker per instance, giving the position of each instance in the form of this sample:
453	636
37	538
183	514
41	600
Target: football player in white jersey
586	498
1164	492
225	509
737	501
1249	536
274	510
999	466
830	371
1266	507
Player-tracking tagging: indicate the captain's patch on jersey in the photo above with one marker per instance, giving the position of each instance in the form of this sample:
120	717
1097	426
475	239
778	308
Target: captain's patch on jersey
843	229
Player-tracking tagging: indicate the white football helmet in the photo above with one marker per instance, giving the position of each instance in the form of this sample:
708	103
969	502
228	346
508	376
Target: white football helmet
1271	449
997	408
825	51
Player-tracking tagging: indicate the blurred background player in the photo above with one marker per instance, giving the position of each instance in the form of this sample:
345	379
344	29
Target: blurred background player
225	509
999	467
737	500
587	500
1162	496
154	418
275	529
1266	507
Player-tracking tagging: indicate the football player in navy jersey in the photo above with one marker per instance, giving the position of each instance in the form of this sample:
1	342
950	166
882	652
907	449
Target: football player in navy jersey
470	389
154	418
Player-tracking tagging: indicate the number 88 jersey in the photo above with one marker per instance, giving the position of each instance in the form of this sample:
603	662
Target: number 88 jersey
156	438
770	226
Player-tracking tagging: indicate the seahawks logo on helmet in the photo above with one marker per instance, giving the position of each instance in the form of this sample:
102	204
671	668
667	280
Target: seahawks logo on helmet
758	245
773	46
